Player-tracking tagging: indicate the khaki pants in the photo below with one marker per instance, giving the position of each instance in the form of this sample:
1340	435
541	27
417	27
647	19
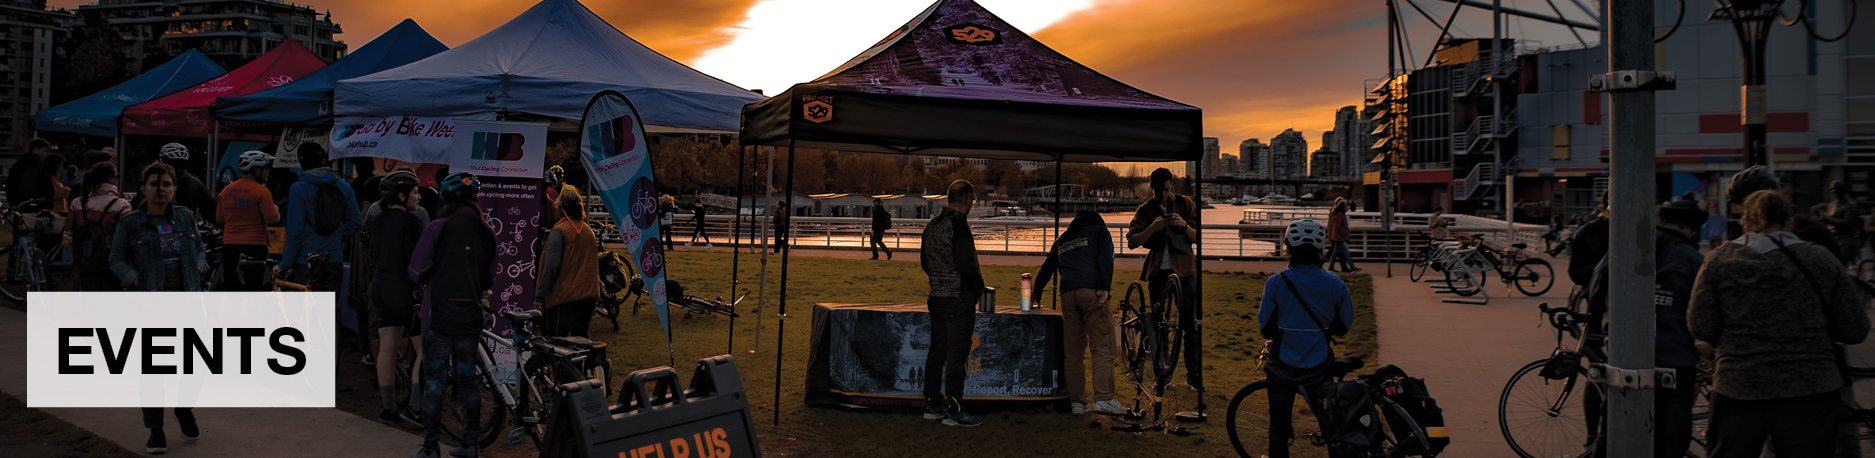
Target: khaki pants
1086	317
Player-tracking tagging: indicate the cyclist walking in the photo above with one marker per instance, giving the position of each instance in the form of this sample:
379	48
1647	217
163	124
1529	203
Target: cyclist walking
453	263
91	227
394	234
1303	306
246	210
157	248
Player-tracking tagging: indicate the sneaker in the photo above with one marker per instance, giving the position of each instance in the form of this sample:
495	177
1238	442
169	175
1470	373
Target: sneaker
1109	407
189	431
390	416
707	245
961	418
426	453
888	255
158	444
933	411
686	245
368	361
1195	385
464	452
1078	407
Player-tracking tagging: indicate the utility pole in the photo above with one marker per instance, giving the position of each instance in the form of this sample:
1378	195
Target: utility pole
1629	377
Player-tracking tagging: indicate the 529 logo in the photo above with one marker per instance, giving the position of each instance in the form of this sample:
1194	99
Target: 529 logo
817	108
973	34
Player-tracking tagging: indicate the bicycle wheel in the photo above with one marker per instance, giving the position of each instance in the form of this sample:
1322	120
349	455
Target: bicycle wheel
1166	331
14	283
1544	418
539	396
1400	436
1420	263
1135	332
1533	277
1248	423
451	417
1463	279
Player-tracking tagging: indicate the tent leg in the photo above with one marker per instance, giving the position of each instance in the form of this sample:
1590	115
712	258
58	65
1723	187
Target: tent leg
781	324
735	244
213	137
1058	210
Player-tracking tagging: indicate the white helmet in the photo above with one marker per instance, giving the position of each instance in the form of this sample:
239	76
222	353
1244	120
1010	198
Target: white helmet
252	159
1306	232
176	151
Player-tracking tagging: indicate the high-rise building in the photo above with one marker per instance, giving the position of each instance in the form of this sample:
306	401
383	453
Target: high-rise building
1353	138
1255	159
28	32
1289	155
1325	163
1213	166
230	32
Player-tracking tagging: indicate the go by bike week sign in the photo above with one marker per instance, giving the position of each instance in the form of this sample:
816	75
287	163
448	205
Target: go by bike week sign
613	147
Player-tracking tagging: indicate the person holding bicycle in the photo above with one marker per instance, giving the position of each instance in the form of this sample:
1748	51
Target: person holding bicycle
1676	263
1303	308
1165	225
246	210
157	248
569	273
1774	305
454	264
91	225
393	239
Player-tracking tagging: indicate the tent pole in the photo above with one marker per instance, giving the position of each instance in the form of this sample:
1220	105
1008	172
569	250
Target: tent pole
213	136
1058	210
735	242
761	288
781	322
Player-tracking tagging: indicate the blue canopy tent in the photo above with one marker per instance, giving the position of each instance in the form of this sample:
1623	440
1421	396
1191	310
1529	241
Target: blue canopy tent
308	100
97	114
549	61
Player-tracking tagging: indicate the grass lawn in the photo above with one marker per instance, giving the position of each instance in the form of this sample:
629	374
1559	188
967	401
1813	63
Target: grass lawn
1231	345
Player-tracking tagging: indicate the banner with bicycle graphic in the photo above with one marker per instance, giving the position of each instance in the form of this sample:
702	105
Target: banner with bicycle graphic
612	146
509	157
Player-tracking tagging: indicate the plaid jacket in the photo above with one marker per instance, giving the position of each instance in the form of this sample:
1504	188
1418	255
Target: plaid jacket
949	256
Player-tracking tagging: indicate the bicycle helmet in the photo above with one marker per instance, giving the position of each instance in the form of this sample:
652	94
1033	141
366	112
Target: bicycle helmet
252	159
559	174
552	179
175	151
461	184
397	181
1306	232
1751	180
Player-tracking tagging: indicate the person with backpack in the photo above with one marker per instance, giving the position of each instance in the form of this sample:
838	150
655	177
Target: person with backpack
91	226
246	208
1676	263
881	221
320	213
157	248
1303	309
1084	256
392	240
454	265
569	272
1774	306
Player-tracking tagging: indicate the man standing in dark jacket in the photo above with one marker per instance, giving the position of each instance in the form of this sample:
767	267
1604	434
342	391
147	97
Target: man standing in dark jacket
454	262
1167	225
1676	264
881	221
949	258
1084	255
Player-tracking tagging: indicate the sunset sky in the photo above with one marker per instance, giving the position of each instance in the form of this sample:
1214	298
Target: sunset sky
1256	67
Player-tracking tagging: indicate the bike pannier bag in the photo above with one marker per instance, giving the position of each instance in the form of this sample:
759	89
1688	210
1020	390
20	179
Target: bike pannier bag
1348	414
1411	394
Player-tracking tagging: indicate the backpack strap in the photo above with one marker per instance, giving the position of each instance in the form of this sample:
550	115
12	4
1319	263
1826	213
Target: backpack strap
1309	310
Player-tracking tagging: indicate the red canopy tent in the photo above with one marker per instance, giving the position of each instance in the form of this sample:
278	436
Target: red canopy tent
187	113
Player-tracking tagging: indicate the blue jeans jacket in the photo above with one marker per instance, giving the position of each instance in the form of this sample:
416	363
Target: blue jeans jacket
136	257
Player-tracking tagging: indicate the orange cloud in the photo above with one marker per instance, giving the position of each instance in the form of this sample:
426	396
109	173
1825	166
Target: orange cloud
1255	67
681	30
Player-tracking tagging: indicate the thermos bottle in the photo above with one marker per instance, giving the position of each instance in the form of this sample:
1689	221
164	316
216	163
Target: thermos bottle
1028	288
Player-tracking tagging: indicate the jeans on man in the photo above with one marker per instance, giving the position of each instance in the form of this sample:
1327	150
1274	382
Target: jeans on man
878	244
1341	253
1188	310
1802	426
953	321
439	352
1086	319
569	319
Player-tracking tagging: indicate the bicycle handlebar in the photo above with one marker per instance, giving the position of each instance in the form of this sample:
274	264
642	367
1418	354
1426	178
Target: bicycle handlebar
1563	319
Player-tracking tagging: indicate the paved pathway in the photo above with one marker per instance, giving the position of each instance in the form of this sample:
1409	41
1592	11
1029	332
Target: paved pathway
225	432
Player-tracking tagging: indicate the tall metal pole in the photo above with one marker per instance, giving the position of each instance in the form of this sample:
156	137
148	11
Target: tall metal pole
761	288
781	319
1386	165
1499	168
1753	26
1631	248
735	242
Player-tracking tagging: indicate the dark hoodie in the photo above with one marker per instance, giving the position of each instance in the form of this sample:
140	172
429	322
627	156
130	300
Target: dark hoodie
1676	264
1084	255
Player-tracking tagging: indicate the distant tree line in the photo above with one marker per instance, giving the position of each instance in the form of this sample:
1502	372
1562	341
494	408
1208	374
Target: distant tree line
686	166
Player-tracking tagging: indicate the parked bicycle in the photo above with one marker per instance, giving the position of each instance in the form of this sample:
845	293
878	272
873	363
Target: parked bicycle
541	365
1464	267
1550	407
1248	418
1149	343
26	264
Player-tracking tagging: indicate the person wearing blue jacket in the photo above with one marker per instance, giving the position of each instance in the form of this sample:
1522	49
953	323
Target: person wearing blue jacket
1084	256
302	235
1303	306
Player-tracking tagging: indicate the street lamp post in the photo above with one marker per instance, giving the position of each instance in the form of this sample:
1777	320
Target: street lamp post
1751	20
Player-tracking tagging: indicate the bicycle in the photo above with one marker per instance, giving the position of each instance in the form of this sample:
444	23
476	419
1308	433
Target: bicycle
1532	276
1149	344
1435	257
1248	417
1537	411
541	365
26	266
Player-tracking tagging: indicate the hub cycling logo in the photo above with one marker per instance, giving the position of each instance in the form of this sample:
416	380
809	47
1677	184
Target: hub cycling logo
612	138
973	34
497	146
177	349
